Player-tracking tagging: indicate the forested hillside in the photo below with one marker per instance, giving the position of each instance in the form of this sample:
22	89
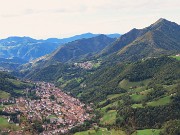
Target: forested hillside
11	86
135	97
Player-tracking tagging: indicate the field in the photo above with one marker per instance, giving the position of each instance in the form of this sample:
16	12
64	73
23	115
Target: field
176	57
161	101
138	97
4	95
101	131
126	84
137	106
103	109
113	96
109	118
110	97
5	125
147	132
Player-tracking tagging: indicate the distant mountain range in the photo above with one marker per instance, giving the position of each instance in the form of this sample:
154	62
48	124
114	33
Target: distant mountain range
28	49
72	51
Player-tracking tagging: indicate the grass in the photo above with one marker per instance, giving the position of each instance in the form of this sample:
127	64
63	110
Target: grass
147	132
5	125
113	96
3	121
137	97
19	91
162	101
60	80
4	95
103	109
102	102
126	84
79	95
101	131
96	65
1	107
110	97
109	118
137	106
176	57
140	89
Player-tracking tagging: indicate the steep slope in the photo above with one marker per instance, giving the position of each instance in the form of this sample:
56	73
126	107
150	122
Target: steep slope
123	41
11	86
160	38
80	48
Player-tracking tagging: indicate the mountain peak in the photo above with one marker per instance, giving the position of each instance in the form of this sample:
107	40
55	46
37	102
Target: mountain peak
162	21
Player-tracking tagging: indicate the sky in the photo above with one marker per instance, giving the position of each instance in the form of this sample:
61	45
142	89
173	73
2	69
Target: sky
43	19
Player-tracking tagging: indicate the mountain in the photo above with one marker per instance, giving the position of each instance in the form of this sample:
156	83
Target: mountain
80	49
11	63
115	35
160	38
69	53
25	48
29	49
81	36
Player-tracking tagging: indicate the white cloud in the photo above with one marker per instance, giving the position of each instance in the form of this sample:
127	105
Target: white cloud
59	18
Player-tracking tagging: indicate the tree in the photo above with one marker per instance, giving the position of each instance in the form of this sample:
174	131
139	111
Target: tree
171	128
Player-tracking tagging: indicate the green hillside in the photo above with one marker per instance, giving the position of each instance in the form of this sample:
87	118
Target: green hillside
11	86
130	95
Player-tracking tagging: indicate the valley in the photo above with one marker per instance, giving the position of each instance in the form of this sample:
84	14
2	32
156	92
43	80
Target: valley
96	85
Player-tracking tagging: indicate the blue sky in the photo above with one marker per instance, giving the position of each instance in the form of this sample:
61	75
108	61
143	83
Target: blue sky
64	18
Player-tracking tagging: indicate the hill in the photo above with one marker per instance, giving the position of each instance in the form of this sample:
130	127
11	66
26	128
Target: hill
80	48
105	80
135	97
11	86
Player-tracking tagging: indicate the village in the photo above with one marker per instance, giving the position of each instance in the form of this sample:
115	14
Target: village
58	111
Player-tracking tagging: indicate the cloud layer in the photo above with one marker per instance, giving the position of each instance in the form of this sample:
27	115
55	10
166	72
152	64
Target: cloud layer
61	18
